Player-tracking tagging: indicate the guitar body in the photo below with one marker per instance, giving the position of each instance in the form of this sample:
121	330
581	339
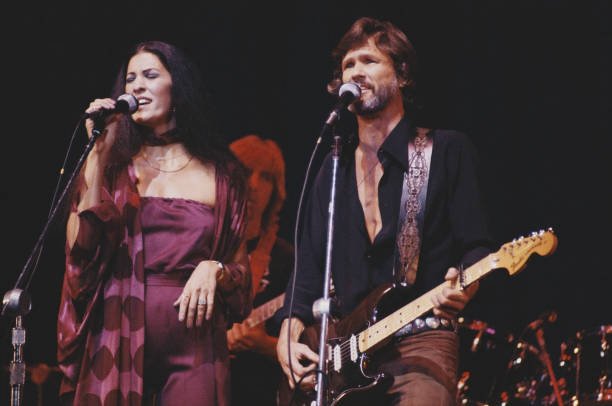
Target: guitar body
355	383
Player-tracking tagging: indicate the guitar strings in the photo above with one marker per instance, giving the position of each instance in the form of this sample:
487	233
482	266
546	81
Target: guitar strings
345	349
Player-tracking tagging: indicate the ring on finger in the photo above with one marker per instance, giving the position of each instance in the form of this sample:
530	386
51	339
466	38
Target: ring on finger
201	301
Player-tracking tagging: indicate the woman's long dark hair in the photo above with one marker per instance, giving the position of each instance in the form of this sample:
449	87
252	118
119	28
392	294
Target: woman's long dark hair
195	121
192	108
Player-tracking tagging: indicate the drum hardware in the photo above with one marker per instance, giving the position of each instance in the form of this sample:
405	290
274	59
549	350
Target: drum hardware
604	391
582	375
483	356
545	358
522	347
462	387
587	359
530	376
568	364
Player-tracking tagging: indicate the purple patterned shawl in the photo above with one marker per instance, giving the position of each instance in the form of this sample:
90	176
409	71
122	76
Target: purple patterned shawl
101	353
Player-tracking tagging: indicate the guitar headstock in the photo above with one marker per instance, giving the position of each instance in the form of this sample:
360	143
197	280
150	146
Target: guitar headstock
514	255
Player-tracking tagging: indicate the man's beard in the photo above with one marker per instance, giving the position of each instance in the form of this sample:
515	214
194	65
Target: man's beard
378	101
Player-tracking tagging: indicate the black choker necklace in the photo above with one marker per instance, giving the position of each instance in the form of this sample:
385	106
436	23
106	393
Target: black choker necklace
169	137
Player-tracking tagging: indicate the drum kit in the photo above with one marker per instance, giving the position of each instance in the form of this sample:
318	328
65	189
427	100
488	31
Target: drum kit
503	369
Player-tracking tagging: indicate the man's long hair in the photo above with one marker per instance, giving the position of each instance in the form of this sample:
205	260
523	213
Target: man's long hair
253	152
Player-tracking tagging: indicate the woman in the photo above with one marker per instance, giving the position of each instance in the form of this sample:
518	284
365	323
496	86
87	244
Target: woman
156	265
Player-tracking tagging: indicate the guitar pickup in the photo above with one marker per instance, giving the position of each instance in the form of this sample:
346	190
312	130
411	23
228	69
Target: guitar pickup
337	357
353	347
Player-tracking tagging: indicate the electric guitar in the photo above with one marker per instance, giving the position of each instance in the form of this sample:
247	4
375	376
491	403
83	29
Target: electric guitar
257	316
387	309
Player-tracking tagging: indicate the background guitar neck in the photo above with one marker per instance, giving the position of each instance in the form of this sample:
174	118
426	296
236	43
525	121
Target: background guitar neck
265	311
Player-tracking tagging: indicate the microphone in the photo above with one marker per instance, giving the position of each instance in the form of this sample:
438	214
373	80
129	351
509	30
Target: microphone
126	103
347	94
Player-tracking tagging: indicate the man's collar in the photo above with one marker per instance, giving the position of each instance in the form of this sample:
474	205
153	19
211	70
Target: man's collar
395	145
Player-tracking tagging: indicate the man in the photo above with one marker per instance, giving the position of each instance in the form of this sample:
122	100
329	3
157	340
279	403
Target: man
376	239
255	372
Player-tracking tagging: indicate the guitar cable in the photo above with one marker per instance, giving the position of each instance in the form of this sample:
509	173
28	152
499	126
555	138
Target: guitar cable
292	401
36	255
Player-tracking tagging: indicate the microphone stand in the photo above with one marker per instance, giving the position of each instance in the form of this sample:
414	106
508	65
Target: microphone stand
16	302
322	307
545	358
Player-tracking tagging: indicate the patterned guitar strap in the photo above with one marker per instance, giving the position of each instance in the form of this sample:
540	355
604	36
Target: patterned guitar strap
412	208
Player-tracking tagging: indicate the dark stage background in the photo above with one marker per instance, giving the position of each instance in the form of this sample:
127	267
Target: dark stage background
529	81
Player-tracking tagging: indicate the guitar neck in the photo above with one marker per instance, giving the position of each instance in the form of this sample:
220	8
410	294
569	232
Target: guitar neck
384	328
264	312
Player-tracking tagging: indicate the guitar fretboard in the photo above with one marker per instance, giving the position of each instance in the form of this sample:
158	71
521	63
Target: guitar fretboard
265	311
398	319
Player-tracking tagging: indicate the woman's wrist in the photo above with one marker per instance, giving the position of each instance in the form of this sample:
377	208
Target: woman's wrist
220	271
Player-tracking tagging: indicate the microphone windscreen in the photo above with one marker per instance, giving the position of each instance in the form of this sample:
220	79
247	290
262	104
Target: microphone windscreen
126	103
349	90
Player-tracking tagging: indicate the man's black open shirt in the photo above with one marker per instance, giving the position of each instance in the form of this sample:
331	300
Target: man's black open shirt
455	229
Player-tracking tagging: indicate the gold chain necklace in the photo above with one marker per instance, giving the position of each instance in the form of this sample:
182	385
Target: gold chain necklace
158	168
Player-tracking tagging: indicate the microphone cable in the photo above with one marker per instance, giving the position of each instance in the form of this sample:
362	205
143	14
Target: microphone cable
53	204
295	249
